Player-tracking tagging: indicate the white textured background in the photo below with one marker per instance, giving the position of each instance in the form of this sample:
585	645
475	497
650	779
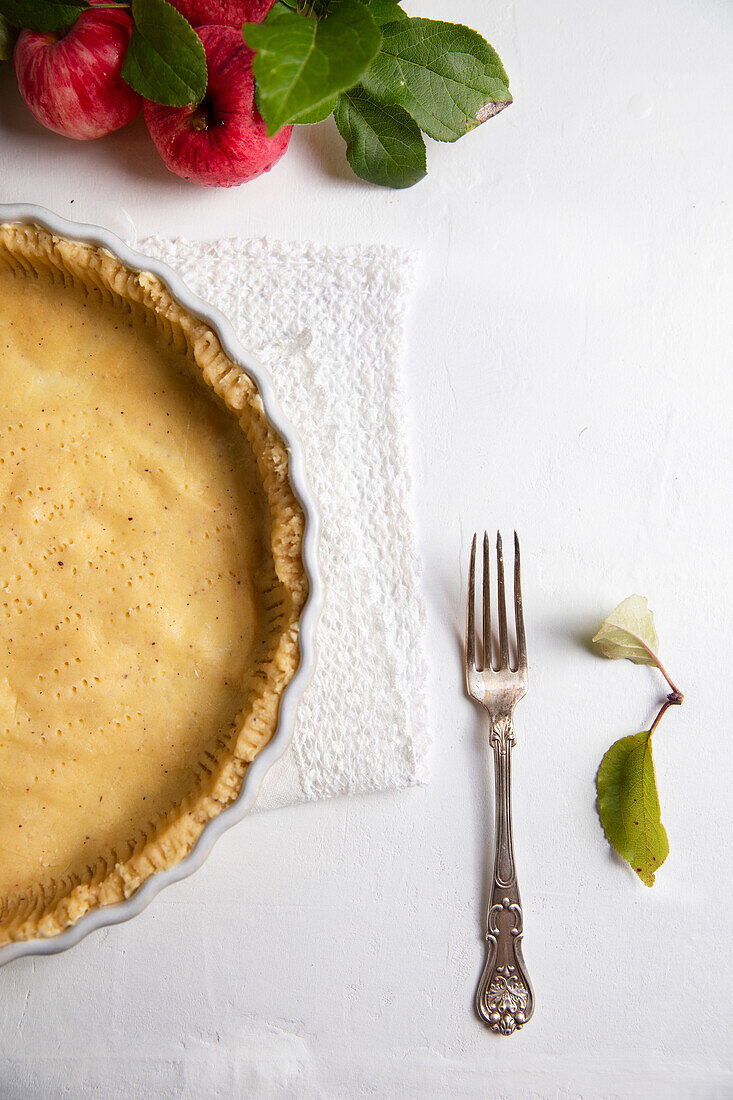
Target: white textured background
569	373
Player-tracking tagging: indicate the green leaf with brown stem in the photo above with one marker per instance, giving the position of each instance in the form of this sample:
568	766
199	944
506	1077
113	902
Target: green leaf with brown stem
302	63
628	801
385	76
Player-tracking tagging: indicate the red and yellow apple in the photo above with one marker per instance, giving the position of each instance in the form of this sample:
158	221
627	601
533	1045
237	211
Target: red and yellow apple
223	141
223	13
71	80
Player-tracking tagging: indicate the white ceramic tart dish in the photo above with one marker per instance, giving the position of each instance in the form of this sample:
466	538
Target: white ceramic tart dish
159	587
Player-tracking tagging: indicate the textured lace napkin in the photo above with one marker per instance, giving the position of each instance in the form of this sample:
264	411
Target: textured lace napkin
329	324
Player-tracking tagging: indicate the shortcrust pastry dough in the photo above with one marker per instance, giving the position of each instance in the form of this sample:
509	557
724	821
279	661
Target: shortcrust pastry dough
151	580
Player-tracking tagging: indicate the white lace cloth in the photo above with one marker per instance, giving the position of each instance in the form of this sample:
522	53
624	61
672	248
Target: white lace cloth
329	324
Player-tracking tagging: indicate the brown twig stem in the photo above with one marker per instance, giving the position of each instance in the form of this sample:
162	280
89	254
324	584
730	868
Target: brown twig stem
674	699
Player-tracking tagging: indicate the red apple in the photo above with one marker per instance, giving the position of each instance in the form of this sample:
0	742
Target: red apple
223	142
223	13
72	80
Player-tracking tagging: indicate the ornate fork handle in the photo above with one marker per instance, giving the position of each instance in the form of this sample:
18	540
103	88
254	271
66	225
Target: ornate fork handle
504	998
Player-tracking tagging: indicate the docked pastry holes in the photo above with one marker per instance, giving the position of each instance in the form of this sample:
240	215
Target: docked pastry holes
150	580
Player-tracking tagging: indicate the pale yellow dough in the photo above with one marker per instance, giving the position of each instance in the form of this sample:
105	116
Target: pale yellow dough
150	580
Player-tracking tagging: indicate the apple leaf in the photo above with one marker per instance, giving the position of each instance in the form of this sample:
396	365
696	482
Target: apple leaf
629	632
319	113
42	16
628	805
8	36
385	11
446	76
165	60
383	143
302	63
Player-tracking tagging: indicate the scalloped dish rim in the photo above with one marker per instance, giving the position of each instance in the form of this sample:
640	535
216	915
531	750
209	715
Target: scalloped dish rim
105	916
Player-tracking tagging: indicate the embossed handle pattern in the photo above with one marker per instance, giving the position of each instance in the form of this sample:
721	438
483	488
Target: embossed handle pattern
504	998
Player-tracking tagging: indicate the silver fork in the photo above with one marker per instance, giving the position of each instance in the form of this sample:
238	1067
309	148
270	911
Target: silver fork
504	998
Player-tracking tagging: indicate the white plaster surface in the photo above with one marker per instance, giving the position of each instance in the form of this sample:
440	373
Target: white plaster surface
569	373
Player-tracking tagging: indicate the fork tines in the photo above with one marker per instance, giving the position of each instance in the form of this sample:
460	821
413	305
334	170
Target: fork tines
487	664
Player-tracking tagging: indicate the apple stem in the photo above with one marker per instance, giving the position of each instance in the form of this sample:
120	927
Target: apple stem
200	119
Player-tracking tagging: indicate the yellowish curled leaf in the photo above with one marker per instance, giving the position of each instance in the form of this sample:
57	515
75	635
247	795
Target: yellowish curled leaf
629	805
629	632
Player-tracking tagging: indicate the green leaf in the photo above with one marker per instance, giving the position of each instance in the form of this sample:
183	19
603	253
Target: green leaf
165	60
446	76
629	632
385	11
301	63
8	36
628	804
319	113
383	144
315	9
43	16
